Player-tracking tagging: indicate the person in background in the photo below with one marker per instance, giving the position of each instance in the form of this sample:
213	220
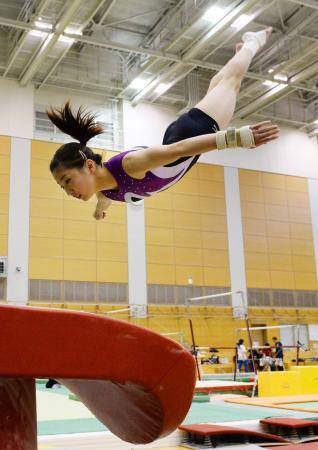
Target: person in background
279	354
241	356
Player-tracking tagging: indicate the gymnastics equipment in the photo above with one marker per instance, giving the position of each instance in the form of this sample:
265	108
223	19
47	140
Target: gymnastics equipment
241	313
137	383
210	436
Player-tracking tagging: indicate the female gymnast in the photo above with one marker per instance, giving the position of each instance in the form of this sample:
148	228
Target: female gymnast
138	173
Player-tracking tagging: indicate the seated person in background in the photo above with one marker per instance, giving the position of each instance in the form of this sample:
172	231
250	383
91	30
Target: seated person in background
279	355
256	356
266	361
213	358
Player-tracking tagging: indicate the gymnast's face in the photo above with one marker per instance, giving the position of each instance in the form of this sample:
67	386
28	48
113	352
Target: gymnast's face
79	183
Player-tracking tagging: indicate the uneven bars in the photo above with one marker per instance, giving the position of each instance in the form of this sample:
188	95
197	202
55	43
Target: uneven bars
193	299
269	327
130	308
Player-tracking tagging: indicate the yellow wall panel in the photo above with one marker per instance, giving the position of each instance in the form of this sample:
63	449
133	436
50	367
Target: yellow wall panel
302	247
282	279
43	227
256	261
214	240
253	210
161	274
300	231
46	207
184	272
276	212
278	229
211	188
45	188
109	232
250	178
271	180
188	256
300	199
212	205
4	224
215	258
258	278
162	236
79	270
209	172
5	145
80	230
279	245
187	220
304	263
3	245
117	213
185	203
275	196
4	164
76	248
4	204
254	226
296	184
214	276
157	254
281	262
157	218
44	150
40	168
112	272
112	251
187	238
73	209
5	184
254	243
300	215
214	222
160	201
252	195
305	281
46	268
42	247
188	186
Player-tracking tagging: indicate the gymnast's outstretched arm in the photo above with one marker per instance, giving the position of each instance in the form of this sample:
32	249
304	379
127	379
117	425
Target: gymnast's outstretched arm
136	164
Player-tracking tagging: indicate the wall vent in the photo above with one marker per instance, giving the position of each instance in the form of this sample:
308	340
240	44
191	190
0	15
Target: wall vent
3	266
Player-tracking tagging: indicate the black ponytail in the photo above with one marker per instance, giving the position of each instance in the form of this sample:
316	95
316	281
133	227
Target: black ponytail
82	127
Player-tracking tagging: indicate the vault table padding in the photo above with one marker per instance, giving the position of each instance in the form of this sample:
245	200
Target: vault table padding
137	382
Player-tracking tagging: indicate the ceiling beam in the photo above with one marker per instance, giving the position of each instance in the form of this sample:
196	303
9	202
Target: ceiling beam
49	42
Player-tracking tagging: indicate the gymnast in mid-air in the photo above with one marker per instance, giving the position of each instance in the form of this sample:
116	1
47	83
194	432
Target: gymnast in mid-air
138	173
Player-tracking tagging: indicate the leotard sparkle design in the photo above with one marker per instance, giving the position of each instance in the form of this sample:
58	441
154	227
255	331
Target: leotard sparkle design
131	190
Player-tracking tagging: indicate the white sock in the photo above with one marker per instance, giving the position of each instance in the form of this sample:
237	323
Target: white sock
254	41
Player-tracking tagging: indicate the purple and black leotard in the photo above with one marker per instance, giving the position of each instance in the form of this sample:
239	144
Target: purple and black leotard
193	123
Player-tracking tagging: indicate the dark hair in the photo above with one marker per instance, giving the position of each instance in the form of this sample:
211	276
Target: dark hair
82	127
240	342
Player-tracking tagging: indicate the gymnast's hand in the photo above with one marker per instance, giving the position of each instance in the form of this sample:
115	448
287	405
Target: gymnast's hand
99	215
264	132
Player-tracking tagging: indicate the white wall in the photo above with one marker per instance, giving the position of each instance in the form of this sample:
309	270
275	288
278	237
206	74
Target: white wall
16	109
145	124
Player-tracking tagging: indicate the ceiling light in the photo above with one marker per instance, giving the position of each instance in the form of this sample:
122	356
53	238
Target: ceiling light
270	70
162	87
270	83
37	33
214	14
241	21
316	121
281	77
43	25
138	83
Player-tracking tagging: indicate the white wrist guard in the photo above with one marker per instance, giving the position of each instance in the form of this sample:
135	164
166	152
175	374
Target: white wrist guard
235	137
